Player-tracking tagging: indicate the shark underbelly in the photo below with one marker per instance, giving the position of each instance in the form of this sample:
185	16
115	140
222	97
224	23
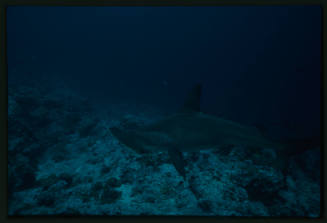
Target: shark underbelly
195	141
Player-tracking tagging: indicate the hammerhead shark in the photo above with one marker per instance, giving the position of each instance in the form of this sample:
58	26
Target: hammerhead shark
190	130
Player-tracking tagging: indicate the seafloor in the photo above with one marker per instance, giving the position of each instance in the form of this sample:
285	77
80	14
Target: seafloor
62	159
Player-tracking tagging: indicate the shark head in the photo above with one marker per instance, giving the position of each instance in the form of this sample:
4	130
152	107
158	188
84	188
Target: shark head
155	137
129	139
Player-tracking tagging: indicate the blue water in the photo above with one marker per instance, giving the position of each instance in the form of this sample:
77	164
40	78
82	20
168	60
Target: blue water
74	72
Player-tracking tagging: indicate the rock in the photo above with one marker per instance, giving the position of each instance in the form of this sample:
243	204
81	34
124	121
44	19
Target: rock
68	178
46	199
263	190
113	182
205	205
110	196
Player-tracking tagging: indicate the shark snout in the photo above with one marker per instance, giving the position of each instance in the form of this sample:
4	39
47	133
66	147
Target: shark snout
128	138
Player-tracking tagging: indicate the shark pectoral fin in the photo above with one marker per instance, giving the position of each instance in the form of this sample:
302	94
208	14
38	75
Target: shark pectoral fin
176	158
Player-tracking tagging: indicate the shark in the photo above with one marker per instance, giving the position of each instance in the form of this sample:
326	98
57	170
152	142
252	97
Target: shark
190	130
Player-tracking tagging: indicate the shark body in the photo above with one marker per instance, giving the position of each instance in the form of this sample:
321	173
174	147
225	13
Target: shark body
190	130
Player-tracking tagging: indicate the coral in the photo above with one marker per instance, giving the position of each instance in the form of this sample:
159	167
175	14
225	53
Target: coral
46	182
72	212
205	205
46	199
49	168
105	169
23	173
88	130
113	182
127	176
262	190
110	195
68	178
137	190
167	189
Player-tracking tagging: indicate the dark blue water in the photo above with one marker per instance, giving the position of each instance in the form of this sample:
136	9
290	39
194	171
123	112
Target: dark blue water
257	65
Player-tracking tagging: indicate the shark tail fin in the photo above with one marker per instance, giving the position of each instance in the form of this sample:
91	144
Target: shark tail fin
193	99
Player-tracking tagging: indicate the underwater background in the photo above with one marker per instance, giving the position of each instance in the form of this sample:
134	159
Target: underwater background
75	72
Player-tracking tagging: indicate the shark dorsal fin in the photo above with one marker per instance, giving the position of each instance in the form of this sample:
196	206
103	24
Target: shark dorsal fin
192	102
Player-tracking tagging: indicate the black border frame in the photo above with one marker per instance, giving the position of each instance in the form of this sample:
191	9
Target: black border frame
4	102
